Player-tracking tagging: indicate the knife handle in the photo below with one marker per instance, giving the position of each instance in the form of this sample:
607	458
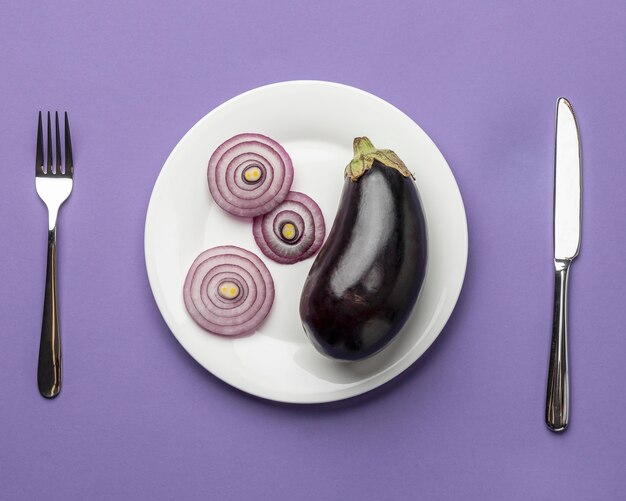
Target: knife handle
557	398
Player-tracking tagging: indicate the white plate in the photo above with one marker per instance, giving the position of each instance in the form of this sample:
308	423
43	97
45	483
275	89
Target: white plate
316	123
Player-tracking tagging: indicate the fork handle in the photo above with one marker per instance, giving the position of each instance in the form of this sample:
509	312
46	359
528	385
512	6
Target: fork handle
557	398
49	367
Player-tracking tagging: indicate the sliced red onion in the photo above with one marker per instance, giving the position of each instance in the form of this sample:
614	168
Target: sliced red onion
249	174
291	232
228	291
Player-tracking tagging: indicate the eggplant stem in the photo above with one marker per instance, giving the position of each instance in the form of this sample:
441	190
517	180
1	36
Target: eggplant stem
365	153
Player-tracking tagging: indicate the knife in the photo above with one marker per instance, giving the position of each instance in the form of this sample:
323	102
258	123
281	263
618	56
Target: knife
567	215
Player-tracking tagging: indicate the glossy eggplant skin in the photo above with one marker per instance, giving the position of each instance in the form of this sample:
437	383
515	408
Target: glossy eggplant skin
366	279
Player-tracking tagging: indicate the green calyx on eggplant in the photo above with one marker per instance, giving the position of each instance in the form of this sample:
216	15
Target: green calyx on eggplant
366	278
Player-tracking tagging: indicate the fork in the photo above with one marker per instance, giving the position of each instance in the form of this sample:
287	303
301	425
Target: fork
53	187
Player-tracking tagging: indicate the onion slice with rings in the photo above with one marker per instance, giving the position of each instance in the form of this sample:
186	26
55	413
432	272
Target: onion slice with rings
249	174
228	291
293	231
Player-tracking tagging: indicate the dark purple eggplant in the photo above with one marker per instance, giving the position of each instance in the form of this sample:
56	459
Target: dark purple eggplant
366	279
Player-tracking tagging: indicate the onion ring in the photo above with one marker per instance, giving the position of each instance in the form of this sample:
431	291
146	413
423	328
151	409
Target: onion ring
290	244
249	174
245	276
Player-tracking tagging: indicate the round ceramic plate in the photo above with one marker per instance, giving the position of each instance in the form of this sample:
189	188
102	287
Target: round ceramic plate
316	123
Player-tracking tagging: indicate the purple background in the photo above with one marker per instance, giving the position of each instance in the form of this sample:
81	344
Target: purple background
139	419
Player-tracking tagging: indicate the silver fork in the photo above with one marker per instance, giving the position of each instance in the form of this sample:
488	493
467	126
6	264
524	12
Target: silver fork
54	186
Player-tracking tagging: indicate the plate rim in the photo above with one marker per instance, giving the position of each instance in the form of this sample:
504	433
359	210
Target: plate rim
401	365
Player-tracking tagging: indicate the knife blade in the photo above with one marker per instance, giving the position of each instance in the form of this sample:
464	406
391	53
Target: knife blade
567	183
567	235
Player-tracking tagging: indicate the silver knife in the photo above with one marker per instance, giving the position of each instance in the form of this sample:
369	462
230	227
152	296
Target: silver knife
567	215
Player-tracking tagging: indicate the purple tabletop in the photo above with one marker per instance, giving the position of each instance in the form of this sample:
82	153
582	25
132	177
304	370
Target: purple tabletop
138	418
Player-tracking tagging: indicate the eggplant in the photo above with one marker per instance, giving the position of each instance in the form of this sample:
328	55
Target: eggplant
365	280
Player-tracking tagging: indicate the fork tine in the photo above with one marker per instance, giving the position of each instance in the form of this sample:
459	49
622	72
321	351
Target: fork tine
49	163
69	159
58	142
39	156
